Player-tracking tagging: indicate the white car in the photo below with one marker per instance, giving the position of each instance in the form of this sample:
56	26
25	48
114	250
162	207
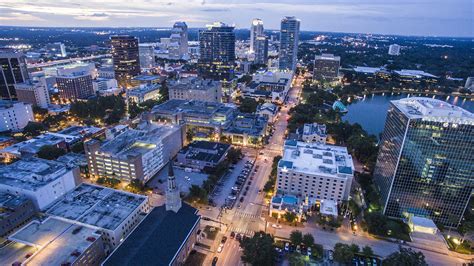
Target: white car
232	197
277	226
220	248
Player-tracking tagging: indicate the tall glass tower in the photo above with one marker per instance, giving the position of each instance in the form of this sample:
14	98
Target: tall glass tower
425	165
125	56
289	38
13	70
256	30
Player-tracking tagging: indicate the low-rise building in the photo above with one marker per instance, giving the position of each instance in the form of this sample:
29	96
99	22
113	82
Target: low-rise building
269	111
31	147
315	133
59	242
114	213
147	80
14	116
247	130
144	93
15	211
134	153
202	154
103	84
195	89
315	171
281	204
41	181
269	85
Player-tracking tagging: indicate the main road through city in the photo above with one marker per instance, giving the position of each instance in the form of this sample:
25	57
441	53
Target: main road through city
251	216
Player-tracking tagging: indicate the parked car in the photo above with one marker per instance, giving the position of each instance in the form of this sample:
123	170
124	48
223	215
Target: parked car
276	226
232	234
214	261
331	255
287	246
238	237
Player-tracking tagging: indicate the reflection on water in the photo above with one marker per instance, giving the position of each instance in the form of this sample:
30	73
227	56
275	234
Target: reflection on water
371	110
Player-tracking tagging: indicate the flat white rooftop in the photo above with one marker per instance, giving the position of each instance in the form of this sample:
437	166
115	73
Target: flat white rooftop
56	242
317	159
433	110
97	206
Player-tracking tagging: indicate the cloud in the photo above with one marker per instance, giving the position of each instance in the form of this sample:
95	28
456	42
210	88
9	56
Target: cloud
19	16
93	17
215	10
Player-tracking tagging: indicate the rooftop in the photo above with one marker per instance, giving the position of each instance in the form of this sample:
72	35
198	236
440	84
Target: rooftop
4	104
134	142
58	242
146	78
315	128
32	173
433	110
194	83
143	89
251	124
157	239
9	203
368	70
97	206
32	146
414	73
318	159
205	151
80	131
330	57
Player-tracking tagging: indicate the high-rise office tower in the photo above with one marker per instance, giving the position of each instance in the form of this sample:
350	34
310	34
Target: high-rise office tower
261	50
75	86
326	66
147	55
34	91
125	56
13	70
425	165
179	34
217	48
256	30
289	38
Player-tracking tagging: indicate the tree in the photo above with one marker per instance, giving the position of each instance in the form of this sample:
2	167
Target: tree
33	129
50	152
308	240
405	257
78	147
289	216
234	155
258	250
343	253
296	237
367	251
248	105
296	259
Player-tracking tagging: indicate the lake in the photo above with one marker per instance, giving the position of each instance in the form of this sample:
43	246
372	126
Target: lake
371	111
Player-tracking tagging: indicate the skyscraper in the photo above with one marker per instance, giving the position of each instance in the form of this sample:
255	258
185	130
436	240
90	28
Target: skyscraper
289	38
425	165
125	56
326	66
147	55
256	30
261	50
179	34
217	48
13	70
75	86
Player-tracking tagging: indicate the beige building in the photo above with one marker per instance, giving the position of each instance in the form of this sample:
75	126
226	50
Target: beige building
195	89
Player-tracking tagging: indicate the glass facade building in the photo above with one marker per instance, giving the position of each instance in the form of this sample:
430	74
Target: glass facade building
126	60
289	38
13	70
425	165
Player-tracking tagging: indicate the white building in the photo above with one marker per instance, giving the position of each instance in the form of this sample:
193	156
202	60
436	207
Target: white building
33	91
394	49
42	181
144	93
14	115
256	30
102	84
134	153
313	133
195	89
270	85
268	110
314	171
147	55
70	69
114	213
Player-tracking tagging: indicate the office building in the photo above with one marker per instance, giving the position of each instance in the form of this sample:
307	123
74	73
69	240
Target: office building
14	116
179	40
106	72
256	30
125	57
195	89
247	130
41	181
425	163
261	50
103	84
326	67
147	55
144	93
113	213
289	38
394	49
147	80
315	172
217	52
59	242
57	49
134	154
313	133
71	69
202	154
76	86
15	211
34	91
268	110
13	70
271	86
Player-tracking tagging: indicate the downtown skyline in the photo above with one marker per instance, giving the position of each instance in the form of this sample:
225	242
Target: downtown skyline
426	18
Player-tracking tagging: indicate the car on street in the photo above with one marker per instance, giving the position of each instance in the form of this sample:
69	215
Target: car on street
238	236
276	226
232	197
220	248
232	234
224	239
287	246
214	261
331	255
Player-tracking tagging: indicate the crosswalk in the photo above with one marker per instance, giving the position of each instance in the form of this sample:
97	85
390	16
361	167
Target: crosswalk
242	231
247	215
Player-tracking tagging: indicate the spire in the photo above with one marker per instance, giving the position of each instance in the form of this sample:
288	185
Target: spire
170	169
173	200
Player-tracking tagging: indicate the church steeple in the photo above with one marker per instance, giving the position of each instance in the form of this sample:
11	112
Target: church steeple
173	200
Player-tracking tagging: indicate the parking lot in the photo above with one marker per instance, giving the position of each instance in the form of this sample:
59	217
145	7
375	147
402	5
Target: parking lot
184	180
227	190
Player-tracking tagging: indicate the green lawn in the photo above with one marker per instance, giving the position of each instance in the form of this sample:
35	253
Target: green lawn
211	232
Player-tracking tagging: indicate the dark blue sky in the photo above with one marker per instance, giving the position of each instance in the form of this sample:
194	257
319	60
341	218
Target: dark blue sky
405	17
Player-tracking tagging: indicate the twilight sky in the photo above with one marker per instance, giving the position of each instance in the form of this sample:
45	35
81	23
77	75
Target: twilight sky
406	17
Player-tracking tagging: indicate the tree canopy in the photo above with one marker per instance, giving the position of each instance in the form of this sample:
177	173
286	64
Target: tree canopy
258	250
50	152
405	257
